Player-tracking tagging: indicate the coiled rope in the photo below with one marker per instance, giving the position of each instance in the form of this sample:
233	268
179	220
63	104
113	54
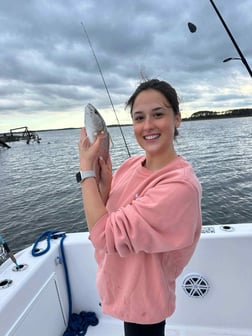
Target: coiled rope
77	323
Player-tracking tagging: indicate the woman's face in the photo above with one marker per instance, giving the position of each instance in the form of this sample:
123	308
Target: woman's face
154	123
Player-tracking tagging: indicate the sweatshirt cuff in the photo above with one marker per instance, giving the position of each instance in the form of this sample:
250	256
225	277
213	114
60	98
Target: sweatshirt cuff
97	234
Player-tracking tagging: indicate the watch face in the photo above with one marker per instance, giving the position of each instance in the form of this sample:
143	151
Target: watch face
82	175
78	177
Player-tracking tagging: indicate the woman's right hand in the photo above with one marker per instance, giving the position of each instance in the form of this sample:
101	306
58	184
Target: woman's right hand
88	153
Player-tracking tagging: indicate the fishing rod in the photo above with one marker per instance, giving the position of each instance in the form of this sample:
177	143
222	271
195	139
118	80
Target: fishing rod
10	254
105	85
243	59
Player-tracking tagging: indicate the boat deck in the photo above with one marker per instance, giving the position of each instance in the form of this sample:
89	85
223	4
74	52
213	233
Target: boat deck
106	327
213	293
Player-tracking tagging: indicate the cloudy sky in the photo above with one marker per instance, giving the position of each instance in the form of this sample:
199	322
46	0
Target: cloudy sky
48	72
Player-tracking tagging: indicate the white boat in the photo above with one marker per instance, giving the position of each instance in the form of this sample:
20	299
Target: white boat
214	292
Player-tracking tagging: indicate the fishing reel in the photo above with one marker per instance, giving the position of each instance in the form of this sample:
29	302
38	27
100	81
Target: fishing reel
3	254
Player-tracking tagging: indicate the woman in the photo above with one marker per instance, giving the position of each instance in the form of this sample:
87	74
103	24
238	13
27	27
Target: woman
144	222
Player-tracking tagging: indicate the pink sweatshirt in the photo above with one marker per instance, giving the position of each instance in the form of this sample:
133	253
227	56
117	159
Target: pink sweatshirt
146	239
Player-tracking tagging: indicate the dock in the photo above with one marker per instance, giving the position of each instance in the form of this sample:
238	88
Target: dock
3	144
19	134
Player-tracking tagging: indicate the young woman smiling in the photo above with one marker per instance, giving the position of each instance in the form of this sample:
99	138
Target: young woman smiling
145	221
155	124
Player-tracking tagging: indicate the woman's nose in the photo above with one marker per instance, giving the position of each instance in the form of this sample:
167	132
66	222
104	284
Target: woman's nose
148	124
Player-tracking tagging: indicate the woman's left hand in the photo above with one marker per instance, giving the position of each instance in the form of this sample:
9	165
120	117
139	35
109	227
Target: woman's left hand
105	178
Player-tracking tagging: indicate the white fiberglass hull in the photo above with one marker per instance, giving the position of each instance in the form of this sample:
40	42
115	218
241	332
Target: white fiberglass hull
214	292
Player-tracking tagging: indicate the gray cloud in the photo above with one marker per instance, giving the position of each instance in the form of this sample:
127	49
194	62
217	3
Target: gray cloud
47	65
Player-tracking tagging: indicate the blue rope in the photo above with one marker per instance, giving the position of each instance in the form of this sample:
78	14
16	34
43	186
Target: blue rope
77	323
36	252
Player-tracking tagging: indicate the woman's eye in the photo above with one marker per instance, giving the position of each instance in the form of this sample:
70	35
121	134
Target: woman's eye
158	115
138	118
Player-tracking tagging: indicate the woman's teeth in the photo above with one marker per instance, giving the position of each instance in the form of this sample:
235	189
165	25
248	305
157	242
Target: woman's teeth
151	137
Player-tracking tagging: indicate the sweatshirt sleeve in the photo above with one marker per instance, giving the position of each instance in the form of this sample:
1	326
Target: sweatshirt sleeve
167	217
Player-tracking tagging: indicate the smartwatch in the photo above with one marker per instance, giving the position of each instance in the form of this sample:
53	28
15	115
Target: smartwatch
84	174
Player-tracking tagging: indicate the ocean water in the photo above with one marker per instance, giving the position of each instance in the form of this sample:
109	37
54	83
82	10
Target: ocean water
39	191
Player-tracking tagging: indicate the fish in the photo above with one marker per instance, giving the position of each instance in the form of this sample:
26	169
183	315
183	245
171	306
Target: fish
95	124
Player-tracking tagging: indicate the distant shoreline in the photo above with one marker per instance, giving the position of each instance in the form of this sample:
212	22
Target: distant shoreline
236	113
200	115
183	119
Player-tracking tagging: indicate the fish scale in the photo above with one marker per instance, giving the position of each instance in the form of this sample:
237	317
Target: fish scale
95	124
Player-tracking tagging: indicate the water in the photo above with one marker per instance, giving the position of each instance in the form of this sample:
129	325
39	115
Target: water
39	191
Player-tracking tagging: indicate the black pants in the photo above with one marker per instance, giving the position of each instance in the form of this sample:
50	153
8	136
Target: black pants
134	329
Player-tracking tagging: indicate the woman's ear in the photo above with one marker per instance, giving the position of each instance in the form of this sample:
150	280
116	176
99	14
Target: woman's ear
177	120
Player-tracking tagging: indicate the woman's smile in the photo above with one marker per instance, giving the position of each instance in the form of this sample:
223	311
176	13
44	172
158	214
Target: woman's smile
150	137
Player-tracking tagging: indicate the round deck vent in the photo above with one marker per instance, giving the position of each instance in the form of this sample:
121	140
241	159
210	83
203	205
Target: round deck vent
5	283
195	285
20	268
227	228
